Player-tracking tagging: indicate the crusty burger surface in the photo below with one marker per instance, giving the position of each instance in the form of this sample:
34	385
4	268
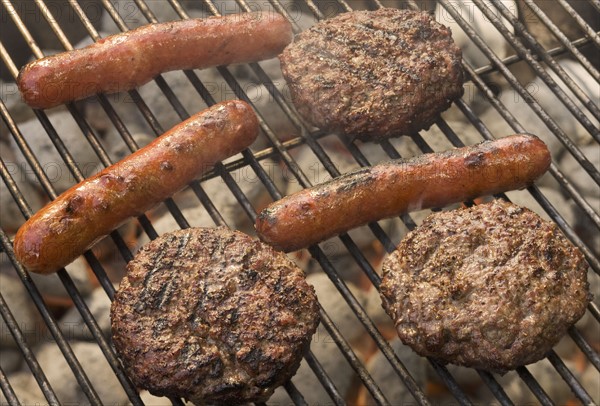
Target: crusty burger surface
493	286
212	315
373	74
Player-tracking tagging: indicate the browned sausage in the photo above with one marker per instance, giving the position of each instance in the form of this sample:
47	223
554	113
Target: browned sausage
79	217
124	61
392	188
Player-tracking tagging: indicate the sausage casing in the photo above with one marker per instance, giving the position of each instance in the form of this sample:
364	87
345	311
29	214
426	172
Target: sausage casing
400	186
66	227
127	60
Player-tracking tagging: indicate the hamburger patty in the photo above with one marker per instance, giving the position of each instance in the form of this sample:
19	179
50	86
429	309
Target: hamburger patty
212	315
373	74
491	287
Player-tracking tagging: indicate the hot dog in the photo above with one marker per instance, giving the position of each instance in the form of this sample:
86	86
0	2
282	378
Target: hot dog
79	217
399	186
124	61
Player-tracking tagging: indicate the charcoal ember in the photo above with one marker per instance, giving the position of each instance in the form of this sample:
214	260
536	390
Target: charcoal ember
546	98
26	389
94	364
73	325
482	26
11	217
388	380
52	164
23	310
10	360
548	378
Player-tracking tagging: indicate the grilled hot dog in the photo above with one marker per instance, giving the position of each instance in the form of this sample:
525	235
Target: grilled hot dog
75	220
124	61
396	187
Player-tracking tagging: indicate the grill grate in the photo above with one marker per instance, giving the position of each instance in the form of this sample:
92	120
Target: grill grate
528	51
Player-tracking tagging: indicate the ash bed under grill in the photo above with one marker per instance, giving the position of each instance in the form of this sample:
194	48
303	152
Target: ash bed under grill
536	72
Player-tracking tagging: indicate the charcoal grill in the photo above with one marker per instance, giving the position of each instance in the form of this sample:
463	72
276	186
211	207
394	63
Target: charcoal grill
527	50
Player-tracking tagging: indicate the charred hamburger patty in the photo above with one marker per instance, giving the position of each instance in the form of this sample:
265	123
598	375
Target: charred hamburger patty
212	315
491	287
373	74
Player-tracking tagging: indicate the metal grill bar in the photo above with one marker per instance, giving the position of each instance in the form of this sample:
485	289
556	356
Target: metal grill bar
53	24
63	152
495	388
280	149
557	214
328	385
412	386
36	297
581	22
563	39
322	376
512	59
534	386
526	55
353	359
7	389
552	125
332	329
585	347
554	171
570	379
342	288
57	334
516	126
397	365
295	395
79	303
181	111
67	282
374	390
30	359
107	350
176	402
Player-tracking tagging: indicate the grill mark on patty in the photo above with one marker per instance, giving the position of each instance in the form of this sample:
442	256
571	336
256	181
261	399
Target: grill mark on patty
196	319
160	299
375	55
156	260
166	293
